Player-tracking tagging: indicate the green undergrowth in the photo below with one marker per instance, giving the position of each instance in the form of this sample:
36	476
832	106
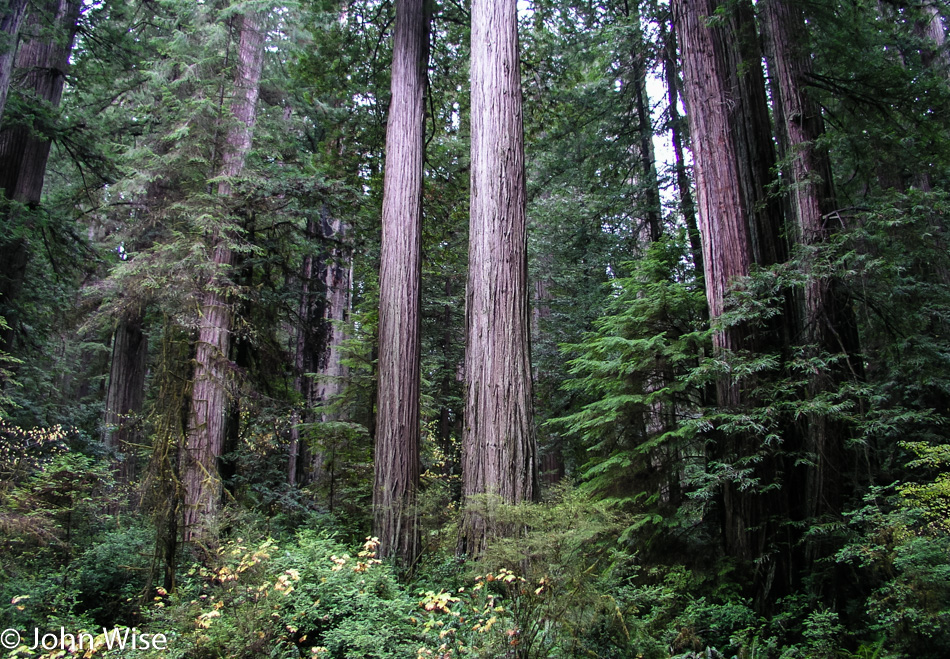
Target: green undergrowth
564	587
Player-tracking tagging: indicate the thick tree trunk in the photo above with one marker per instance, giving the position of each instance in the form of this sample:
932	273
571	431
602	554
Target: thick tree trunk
323	391
24	149
23	152
752	134
723	216
829	325
160	485
319	371
499	449
931	27
206	425
724	93
11	15
122	423
396	457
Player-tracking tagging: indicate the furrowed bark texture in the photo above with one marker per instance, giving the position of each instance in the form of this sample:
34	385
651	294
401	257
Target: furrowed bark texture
499	450
126	393
44	61
723	216
829	324
932	28
11	15
23	150
738	227
752	134
336	277
326	283
677	133
206	428
396	457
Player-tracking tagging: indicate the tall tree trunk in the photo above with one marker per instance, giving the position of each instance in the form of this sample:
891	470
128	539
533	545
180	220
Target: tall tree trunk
752	135
646	153
499	448
301	361
122	423
396	457
161	486
11	15
727	129
206	424
24	149
677	130
326	280
723	215
310	315
337	282
829	325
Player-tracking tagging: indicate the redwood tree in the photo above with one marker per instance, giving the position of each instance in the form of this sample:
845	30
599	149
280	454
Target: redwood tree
723	214
499	450
827	320
397	419
126	392
319	371
24	144
11	15
731	139
206	426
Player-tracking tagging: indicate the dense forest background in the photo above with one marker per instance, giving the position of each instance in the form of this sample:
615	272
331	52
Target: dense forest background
436	328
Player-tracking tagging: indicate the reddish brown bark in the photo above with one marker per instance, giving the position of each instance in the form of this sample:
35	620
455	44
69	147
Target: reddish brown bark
24	150
125	395
748	113
724	93
396	457
11	15
206	426
828	323
499	449
723	215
